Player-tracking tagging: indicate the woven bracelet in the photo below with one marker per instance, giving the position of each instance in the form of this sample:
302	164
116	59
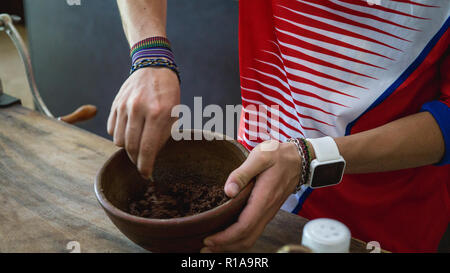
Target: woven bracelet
153	47
157	52
152	42
153	52
155	63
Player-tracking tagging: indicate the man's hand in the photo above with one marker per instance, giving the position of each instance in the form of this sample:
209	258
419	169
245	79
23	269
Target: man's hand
276	167
140	118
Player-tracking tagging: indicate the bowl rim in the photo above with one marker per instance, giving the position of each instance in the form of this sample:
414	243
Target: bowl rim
110	208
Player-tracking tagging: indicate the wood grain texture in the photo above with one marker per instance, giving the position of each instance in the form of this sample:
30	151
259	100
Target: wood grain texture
47	171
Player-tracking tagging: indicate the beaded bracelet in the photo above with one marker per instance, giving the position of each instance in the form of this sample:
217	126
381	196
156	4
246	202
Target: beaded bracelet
307	154
155	63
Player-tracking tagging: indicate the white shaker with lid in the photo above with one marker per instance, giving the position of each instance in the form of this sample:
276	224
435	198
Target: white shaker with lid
325	235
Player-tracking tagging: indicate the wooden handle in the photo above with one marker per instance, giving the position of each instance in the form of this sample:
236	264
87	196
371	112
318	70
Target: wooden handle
85	112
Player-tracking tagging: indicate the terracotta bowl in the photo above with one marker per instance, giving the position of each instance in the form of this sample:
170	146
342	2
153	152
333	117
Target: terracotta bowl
118	182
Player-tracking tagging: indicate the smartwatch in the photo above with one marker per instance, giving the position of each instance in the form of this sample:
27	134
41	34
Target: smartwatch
328	167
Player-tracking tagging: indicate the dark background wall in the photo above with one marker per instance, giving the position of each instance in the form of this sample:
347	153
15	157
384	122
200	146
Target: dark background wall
80	54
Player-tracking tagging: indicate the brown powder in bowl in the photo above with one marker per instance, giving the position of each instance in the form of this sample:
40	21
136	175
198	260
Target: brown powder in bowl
176	199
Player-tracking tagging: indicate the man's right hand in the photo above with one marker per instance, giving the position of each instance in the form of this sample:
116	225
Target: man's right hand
140	118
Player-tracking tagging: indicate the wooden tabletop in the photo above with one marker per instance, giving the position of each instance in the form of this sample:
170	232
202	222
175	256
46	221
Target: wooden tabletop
47	201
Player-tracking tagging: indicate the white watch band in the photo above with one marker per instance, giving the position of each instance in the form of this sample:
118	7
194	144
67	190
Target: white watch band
325	148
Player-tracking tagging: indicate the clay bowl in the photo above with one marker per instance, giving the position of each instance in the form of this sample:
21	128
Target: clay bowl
118	182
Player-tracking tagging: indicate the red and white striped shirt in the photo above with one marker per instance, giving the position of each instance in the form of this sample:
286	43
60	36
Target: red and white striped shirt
338	67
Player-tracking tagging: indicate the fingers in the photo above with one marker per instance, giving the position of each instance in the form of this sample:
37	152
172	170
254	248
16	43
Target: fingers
112	121
276	172
133	134
229	236
119	129
245	240
242	244
113	114
148	148
248	227
140	115
256	163
264	202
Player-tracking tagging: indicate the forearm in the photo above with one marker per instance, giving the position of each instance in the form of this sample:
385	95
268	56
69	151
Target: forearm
143	18
409	142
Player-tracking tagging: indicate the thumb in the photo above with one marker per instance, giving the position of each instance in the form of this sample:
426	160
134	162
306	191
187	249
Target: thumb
257	162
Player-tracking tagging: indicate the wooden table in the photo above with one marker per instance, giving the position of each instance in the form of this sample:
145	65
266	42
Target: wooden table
47	200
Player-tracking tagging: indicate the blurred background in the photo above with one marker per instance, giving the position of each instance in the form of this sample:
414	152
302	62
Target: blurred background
80	54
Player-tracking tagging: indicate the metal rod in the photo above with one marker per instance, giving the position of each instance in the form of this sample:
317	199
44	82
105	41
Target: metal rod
6	24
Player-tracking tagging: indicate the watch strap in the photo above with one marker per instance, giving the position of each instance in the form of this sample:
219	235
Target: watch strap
325	148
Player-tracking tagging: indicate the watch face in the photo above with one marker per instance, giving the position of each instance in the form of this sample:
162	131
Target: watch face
327	174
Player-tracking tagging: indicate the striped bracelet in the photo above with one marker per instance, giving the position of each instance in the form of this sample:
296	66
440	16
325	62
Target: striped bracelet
153	47
152	42
157	52
155	62
153	52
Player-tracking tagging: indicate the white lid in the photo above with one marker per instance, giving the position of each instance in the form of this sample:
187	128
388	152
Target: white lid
325	235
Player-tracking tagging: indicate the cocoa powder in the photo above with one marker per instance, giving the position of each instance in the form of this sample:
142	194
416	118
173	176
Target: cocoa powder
177	199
